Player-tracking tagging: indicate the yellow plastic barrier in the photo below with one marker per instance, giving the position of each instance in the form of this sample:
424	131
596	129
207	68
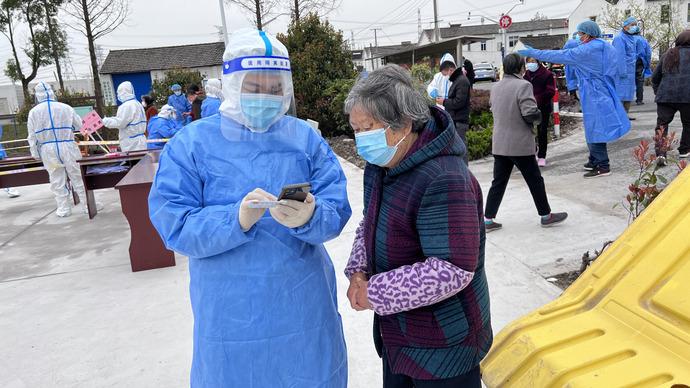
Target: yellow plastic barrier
624	323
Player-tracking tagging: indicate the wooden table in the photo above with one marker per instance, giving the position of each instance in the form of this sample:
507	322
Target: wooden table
146	249
95	181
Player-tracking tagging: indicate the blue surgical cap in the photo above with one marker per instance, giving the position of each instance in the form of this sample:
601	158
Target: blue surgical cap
629	21
590	28
176	87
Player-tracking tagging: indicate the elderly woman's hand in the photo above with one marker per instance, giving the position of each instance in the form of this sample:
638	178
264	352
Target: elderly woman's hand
358	282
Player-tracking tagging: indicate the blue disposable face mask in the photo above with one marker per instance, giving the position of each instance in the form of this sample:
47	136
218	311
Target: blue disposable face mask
177	92
261	110
634	30
373	147
532	66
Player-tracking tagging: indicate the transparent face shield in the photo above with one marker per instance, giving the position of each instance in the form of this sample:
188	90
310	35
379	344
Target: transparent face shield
258	91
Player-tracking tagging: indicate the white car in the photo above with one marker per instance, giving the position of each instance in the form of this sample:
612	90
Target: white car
485	71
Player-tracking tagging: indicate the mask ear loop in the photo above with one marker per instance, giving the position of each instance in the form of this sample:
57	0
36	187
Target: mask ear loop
401	140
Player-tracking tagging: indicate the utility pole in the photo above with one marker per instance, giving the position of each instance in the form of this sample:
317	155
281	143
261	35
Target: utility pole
376	40
419	23
437	33
225	25
352	39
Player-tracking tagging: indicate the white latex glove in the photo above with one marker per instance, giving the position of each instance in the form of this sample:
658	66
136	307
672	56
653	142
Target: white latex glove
294	214
248	216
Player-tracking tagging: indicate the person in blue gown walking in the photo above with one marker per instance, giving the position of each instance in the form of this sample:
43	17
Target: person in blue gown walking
262	286
214	96
596	67
182	106
163	126
624	43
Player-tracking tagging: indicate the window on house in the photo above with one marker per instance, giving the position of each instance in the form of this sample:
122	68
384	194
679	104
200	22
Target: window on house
665	13
512	41
688	12
483	45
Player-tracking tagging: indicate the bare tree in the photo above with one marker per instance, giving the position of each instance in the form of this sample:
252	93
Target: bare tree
29	14
58	38
656	30
96	19
261	12
299	8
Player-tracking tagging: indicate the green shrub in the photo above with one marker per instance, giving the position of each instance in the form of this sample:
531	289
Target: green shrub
321	69
479	143
481	120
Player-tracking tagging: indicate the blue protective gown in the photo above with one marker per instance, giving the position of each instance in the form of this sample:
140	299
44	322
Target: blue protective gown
210	106
644	53
3	154
181	105
161	128
595	65
264	301
570	76
627	55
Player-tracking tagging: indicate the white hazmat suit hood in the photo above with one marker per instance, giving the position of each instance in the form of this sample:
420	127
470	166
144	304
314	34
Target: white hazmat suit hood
167	112
214	88
130	119
257	81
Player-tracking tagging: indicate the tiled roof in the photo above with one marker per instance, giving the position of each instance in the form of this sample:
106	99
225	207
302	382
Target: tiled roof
491	29
545	42
163	58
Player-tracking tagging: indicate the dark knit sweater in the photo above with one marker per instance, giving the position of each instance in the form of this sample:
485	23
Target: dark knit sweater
430	205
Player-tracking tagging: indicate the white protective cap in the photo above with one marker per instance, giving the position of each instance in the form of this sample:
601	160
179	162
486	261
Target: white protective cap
167	112
125	91
213	88
44	92
447	58
266	96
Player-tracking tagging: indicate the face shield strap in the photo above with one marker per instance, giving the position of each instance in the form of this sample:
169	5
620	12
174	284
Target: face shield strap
256	63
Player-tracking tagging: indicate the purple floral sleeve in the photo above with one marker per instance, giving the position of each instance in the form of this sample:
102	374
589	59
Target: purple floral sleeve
417	285
358	256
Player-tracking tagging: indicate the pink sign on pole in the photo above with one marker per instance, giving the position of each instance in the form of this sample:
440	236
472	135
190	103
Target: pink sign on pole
91	123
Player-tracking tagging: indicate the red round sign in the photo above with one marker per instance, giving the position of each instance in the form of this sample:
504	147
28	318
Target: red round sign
505	22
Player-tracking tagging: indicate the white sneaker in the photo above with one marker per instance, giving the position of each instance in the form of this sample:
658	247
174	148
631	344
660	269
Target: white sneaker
63	212
12	193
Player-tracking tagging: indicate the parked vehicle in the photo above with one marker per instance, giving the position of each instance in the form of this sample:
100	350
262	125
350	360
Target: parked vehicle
485	71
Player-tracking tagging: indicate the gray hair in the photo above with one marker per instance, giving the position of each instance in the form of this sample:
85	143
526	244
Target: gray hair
389	95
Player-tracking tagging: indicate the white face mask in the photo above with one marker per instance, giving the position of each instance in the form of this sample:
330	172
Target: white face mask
178	92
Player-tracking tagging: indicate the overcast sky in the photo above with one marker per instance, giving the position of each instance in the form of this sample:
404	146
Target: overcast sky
155	23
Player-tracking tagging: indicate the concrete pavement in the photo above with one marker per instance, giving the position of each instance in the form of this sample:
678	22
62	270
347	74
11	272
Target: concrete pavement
73	315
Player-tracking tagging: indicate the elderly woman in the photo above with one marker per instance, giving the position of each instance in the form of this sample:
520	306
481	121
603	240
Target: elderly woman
671	82
418	256
515	113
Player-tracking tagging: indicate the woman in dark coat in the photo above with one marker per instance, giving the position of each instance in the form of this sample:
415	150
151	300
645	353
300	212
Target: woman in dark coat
544	89
671	83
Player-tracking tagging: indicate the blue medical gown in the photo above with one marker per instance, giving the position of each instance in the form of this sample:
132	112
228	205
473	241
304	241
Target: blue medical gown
161	128
264	301
3	154
181	105
210	106
595	66
627	55
644	53
570	76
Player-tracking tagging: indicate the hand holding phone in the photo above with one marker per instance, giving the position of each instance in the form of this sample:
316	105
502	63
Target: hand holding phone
296	192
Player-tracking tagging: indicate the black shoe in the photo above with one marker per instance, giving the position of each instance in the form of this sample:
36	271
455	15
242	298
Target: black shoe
639	102
661	161
491	226
554	218
589	166
632	118
598	172
684	155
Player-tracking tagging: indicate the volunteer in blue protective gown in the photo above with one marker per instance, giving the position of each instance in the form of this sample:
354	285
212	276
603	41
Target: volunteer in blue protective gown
262	285
181	104
570	76
624	43
163	126
596	66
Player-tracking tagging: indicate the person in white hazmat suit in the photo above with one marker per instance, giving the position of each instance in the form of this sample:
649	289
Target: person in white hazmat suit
130	119
51	125
440	85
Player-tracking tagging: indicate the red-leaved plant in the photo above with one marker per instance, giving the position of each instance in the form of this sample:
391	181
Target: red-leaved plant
649	183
